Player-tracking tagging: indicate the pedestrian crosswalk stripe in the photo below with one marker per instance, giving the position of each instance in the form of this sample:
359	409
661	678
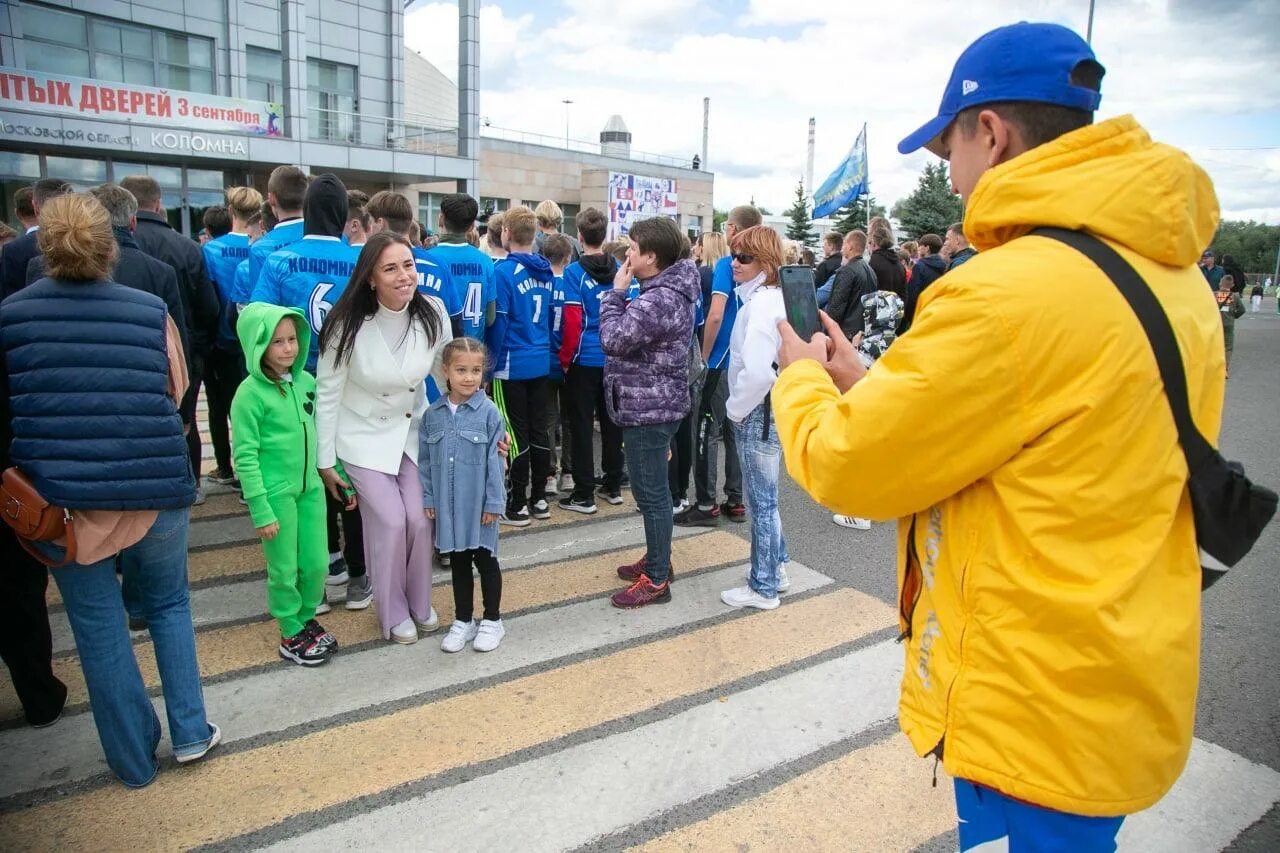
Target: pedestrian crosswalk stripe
259	787
362	683
242	647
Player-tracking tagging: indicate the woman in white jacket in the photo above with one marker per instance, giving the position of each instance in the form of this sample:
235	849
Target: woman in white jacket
753	355
377	347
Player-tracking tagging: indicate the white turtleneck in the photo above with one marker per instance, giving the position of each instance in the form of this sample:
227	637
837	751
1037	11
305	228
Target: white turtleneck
394	326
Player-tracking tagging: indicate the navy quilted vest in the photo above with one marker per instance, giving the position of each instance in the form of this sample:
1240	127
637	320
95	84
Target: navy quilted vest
93	424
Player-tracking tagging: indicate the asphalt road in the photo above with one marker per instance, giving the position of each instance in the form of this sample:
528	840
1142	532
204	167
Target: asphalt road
1239	705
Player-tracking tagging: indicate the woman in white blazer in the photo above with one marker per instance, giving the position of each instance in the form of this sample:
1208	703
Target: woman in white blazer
377	347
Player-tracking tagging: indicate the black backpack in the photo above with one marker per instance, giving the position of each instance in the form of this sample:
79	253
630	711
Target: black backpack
1230	511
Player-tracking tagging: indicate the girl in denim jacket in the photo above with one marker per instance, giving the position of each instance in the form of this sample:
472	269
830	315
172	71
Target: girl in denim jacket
463	491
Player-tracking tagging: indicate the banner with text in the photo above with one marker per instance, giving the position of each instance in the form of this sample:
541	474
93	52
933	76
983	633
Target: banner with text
636	197
75	97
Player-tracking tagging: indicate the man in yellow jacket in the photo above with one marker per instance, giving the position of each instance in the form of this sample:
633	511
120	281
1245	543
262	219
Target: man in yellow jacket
1047	563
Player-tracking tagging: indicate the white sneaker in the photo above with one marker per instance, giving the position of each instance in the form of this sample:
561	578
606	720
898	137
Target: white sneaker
784	580
323	607
199	497
405	633
551	485
679	508
566	484
460	633
488	635
852	522
431	625
215	738
745	596
541	510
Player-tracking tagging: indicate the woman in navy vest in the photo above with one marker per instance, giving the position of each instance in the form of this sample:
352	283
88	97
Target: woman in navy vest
95	372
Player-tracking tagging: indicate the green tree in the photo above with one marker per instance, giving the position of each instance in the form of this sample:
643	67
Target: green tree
718	219
853	216
800	227
1252	244
931	207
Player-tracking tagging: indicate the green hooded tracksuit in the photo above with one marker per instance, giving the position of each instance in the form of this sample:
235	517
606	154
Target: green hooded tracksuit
274	427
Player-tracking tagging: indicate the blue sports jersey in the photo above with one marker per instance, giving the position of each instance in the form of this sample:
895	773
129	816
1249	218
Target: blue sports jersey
588	293
221	257
310	275
281	237
471	275
722	282
433	279
562	294
520	337
241	285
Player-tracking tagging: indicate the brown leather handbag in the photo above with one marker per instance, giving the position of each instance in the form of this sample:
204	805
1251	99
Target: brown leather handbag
33	518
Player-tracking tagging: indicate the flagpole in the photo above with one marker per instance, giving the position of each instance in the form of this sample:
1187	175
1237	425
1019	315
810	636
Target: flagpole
866	158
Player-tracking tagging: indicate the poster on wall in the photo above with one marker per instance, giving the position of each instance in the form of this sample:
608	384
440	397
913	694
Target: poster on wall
636	197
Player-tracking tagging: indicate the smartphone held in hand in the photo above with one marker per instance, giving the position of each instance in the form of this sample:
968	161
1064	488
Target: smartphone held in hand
799	297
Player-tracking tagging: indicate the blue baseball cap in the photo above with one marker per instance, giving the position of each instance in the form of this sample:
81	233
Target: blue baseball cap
1020	62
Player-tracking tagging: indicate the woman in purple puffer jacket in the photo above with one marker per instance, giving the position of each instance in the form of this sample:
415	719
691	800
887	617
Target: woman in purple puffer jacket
646	384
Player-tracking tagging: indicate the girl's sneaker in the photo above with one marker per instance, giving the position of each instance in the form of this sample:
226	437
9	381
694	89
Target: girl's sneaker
488	635
406	633
321	636
460	633
303	649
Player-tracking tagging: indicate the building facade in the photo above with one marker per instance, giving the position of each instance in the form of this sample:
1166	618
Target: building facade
206	94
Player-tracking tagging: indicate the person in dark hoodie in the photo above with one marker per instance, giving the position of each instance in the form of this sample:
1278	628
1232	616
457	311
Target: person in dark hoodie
310	275
646	386
520	340
926	271
957	246
853	281
884	258
586	280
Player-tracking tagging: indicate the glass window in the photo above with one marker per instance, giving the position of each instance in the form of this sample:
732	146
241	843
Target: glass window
136	42
139	72
489	204
17	165
207	179
110	67
429	210
264	74
81	174
56	59
107	37
331	101
52	25
166	176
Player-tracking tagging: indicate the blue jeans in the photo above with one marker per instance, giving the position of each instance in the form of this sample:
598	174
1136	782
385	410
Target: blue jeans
646	448
988	817
156	569
761	457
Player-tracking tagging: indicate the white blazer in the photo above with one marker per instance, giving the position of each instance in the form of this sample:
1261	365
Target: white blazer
368	409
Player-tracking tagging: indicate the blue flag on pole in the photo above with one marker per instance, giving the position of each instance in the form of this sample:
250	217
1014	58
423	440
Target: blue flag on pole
846	183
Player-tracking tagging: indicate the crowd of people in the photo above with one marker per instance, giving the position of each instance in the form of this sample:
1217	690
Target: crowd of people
384	407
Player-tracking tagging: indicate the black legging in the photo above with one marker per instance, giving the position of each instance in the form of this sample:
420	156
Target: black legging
464	587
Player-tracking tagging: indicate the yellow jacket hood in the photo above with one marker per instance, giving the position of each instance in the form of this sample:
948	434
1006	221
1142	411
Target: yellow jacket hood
1109	178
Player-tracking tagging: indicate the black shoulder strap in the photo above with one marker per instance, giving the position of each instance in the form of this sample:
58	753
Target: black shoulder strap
1159	333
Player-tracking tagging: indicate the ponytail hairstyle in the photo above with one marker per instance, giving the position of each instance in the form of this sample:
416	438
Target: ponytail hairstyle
359	302
461	346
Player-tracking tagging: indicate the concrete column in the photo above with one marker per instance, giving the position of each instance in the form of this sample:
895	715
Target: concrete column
293	55
469	88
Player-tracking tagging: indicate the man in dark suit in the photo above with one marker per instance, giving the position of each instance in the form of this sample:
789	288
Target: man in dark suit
133	268
199	296
16	255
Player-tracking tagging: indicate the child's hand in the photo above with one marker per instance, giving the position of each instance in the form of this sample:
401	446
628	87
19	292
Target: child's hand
488	518
269	531
431	512
352	502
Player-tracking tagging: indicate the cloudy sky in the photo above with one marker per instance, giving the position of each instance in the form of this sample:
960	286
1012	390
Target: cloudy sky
1200	74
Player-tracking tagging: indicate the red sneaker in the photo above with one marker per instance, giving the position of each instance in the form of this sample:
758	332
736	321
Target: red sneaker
635	571
736	513
642	593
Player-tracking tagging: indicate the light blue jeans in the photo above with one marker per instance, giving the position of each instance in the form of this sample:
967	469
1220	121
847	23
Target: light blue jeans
761	457
156	570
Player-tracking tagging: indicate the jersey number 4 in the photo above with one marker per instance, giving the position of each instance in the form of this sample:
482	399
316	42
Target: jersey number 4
472	306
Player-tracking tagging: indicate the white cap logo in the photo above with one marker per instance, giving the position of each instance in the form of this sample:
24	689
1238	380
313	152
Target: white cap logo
968	87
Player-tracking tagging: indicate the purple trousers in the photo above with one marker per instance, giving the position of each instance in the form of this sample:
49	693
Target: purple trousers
397	542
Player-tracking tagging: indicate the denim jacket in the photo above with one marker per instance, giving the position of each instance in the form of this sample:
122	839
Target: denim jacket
461	472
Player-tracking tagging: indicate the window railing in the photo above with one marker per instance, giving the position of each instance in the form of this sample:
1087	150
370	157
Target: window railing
582	146
421	134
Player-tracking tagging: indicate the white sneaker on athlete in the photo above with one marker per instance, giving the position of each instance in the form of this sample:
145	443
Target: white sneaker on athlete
460	633
852	522
541	510
784	580
566	484
431	625
323	607
745	596
488	635
406	633
551	485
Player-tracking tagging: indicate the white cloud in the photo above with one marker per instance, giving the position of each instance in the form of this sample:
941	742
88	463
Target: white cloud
1196	72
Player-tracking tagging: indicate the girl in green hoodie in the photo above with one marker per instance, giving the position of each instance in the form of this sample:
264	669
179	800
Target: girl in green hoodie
273	424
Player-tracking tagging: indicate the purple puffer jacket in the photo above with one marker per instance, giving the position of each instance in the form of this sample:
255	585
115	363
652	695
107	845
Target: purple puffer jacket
646	344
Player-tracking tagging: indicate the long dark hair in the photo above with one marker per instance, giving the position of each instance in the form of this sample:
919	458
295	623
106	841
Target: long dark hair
359	302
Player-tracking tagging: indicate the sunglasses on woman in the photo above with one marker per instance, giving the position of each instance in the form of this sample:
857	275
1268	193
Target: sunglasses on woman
743	259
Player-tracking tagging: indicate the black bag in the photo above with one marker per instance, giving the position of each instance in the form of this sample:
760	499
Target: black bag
1230	511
